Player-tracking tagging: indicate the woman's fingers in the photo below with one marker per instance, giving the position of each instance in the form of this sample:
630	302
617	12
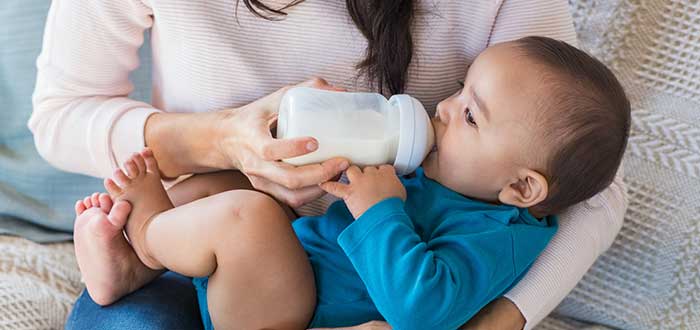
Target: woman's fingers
276	149
371	325
302	176
249	146
314	82
293	198
320	83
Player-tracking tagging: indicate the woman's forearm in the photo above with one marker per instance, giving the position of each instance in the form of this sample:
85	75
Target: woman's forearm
83	121
88	135
185	143
500	314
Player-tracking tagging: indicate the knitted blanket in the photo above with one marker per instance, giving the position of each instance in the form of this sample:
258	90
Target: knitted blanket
38	284
650	277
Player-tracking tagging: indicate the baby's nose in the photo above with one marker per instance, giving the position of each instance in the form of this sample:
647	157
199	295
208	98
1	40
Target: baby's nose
440	114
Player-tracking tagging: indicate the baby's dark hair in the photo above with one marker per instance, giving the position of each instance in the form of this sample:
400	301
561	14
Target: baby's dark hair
586	122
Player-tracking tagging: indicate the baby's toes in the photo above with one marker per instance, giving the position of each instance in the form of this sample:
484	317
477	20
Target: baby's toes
79	207
105	202
94	199
87	202
140	163
112	187
121	179
119	213
150	161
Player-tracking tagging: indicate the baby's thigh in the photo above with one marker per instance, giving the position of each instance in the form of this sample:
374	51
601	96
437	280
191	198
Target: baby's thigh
264	278
206	184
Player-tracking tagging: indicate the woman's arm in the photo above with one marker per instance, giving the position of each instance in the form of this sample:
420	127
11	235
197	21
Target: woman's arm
83	120
240	138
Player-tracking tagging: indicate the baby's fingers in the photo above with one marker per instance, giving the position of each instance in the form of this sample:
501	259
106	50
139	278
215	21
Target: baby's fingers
336	189
353	172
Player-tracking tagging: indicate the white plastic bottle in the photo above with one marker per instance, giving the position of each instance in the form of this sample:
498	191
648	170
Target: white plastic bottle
365	128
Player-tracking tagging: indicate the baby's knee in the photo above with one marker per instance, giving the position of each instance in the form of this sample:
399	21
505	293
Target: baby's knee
262	208
240	200
249	207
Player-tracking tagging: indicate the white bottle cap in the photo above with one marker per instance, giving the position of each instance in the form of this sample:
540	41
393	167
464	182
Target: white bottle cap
416	135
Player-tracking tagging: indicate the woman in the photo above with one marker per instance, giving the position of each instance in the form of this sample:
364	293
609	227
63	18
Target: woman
212	59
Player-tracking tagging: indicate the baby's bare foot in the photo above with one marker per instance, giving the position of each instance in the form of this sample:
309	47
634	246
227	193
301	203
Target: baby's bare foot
109	266
142	188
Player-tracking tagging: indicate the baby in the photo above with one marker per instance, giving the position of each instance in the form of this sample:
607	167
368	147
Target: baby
537	127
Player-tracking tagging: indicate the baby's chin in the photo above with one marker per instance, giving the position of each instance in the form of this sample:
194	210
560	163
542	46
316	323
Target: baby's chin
430	168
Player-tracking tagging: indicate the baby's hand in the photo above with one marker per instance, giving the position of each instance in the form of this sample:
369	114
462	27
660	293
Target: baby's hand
367	187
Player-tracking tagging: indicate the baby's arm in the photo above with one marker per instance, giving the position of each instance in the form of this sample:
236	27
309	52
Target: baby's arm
435	284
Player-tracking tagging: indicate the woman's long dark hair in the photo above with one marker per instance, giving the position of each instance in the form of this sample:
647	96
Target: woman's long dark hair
387	26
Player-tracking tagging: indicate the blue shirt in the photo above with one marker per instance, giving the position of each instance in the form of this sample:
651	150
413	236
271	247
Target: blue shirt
435	260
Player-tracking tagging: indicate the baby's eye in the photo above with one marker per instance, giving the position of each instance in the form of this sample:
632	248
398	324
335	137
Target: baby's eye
469	117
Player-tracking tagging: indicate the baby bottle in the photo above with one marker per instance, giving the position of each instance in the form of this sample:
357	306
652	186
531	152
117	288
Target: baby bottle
365	128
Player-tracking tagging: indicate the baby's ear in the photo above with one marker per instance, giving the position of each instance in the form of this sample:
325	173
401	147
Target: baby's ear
528	189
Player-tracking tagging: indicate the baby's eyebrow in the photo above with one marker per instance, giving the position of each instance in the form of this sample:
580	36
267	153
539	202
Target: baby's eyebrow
480	103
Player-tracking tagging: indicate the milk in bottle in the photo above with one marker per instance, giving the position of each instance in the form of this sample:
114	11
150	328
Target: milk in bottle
365	128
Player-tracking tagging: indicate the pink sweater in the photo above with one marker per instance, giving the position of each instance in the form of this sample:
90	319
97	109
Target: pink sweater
203	60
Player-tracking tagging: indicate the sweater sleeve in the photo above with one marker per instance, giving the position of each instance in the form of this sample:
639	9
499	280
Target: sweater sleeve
83	121
454	273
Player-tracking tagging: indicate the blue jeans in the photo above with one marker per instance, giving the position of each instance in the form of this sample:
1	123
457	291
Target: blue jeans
169	302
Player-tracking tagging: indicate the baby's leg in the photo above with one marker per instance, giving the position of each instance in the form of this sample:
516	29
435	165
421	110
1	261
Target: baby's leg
260	276
109	265
204	185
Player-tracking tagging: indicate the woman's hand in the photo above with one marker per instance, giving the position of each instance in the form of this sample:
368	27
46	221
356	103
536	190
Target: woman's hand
371	325
367	187
500	314
241	139
247	144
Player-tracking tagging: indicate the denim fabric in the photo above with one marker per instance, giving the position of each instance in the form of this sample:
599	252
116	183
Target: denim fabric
31	190
169	302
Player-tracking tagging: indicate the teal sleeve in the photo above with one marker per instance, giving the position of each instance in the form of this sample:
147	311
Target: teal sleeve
434	283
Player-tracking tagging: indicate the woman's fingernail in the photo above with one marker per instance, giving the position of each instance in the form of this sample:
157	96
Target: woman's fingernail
344	165
311	146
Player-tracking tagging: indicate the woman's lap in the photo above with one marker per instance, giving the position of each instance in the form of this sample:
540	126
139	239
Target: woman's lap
169	302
